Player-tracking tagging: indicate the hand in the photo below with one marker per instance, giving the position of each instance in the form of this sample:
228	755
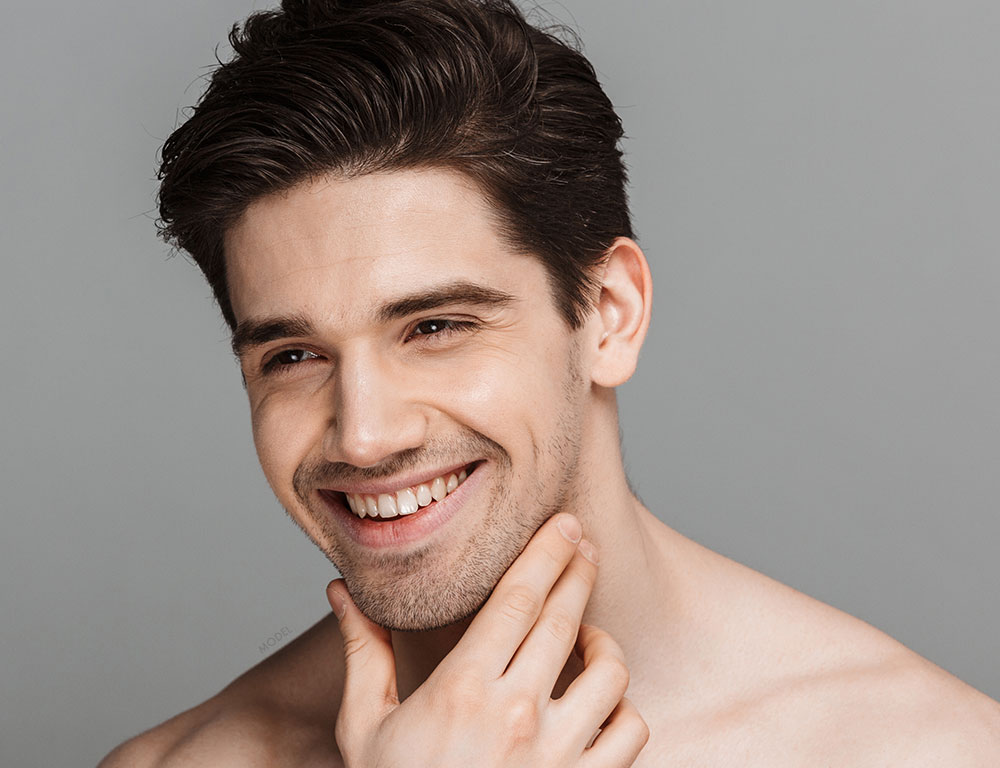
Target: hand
488	703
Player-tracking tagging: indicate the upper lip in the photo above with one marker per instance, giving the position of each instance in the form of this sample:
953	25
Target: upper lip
392	485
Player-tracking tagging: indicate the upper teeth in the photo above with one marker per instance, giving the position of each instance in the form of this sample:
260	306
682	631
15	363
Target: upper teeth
406	501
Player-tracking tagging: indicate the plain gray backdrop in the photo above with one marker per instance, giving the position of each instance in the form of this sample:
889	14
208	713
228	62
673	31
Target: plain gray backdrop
816	186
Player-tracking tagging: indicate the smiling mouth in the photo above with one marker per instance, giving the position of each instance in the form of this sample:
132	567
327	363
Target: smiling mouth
391	505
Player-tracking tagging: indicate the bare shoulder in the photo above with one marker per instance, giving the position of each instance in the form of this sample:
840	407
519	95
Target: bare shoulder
863	698
873	701
894	710
906	711
804	683
238	735
281	712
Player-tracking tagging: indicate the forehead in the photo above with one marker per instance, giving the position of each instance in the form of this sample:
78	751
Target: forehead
341	242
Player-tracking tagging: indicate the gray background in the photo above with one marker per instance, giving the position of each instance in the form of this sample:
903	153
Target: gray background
816	185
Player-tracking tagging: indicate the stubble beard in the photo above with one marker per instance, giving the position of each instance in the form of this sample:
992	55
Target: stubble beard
425	590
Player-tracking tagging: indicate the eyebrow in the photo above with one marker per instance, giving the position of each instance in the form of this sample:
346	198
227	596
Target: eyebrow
254	333
459	292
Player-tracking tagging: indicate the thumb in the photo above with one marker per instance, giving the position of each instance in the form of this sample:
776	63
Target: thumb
370	665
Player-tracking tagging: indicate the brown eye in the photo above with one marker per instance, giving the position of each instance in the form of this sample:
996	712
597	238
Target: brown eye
437	327
290	356
429	327
287	358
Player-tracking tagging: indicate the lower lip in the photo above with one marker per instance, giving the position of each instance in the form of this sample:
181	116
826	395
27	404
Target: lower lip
408	529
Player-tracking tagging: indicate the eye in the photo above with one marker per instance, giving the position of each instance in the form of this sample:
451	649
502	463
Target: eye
441	327
287	358
427	327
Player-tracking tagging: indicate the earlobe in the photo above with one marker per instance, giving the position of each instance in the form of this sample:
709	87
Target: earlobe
623	313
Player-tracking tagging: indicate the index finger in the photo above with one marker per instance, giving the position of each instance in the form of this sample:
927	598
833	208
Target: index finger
511	611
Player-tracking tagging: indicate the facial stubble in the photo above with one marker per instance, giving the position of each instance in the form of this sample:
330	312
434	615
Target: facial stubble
425	590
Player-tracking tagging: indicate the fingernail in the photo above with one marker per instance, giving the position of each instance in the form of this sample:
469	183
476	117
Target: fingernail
589	551
569	527
338	603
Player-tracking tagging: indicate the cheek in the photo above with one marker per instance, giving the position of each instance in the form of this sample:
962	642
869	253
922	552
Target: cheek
283	435
508	397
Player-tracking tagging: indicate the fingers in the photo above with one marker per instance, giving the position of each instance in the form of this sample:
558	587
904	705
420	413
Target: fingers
594	644
544	652
599	689
370	668
506	618
620	741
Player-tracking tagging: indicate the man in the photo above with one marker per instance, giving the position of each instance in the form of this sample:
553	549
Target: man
413	217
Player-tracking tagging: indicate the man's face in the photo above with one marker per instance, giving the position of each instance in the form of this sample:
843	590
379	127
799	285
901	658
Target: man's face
389	337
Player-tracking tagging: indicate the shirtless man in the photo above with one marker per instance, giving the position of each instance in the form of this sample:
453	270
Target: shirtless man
413	217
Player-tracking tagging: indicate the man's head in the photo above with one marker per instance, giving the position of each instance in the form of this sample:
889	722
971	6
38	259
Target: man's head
362	86
413	216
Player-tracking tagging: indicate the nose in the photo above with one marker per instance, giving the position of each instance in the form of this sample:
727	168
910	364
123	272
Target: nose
374	415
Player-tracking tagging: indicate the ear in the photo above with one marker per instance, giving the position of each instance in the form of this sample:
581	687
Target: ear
618	327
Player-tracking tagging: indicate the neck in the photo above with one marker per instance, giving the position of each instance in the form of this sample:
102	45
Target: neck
636	595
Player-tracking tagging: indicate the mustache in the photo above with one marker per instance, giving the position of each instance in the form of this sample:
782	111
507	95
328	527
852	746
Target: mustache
320	473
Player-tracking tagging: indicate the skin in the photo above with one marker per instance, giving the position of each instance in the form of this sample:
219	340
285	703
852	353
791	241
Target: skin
374	400
726	667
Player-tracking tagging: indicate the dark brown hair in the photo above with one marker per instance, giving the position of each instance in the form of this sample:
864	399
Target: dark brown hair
360	86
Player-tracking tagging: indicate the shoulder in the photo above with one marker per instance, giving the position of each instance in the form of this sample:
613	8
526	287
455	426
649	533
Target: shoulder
827	688
241	737
281	712
229	737
900	711
910	712
890	707
237	736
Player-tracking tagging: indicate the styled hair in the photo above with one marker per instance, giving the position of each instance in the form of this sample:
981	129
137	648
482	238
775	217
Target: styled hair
362	86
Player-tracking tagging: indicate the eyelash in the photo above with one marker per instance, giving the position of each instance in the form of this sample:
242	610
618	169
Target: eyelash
450	327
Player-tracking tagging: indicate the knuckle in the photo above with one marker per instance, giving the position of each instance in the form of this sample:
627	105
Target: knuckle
643	730
608	647
637	723
521	718
586	633
521	602
561	625
593	634
617	673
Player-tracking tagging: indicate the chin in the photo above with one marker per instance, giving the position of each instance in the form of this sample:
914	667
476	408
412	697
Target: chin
418	607
432	595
